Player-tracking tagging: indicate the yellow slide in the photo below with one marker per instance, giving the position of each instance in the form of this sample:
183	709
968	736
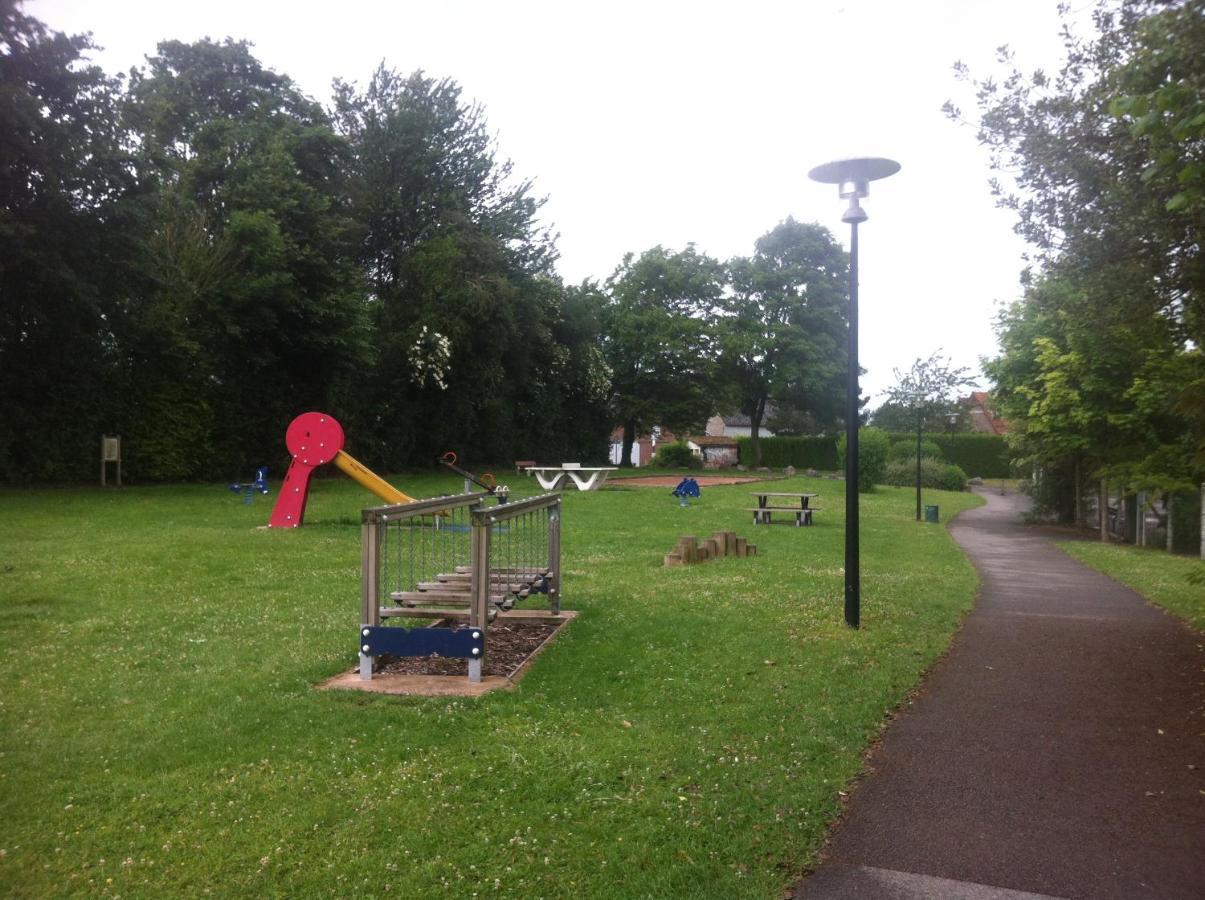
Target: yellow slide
366	478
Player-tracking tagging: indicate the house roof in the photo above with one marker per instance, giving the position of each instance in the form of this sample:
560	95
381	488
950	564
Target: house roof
740	420
981	414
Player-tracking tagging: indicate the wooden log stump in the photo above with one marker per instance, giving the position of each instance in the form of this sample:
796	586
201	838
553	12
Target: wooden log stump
690	550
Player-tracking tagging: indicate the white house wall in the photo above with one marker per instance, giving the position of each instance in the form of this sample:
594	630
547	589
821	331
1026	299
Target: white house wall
617	453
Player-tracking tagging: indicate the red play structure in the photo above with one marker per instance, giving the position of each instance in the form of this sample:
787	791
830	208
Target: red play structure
314	439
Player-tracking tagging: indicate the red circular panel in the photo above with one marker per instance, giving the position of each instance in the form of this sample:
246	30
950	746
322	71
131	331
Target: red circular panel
314	438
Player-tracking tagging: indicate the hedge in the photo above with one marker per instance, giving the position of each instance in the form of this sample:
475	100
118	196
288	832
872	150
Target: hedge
800	452
981	455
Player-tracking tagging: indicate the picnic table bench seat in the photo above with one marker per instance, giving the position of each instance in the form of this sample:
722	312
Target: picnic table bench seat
763	515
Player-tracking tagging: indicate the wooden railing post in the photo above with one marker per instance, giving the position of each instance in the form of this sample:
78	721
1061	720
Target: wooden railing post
554	557
479	566
370	582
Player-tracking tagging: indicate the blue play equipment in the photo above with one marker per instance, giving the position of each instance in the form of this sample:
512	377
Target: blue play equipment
686	489
259	484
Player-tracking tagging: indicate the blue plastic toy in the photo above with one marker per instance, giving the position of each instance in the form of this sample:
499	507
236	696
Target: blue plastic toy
686	489
259	484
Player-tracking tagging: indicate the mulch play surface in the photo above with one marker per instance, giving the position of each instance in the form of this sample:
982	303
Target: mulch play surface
510	643
675	480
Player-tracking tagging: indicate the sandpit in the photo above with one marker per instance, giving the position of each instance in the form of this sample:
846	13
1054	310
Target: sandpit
673	480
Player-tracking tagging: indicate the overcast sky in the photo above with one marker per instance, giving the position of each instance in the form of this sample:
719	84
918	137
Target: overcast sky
669	123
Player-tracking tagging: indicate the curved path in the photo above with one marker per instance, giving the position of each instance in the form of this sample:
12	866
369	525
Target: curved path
1056	751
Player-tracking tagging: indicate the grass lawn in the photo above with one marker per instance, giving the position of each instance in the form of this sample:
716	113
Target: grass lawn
687	736
1160	577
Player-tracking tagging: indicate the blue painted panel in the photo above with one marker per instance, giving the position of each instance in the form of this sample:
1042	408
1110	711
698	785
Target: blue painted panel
450	642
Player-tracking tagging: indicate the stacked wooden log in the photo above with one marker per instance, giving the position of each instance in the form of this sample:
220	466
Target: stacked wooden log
723	543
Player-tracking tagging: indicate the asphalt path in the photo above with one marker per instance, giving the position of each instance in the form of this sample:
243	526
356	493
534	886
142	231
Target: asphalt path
1056	751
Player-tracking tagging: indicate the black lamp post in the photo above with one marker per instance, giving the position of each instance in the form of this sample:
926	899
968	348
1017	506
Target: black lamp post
920	427
853	177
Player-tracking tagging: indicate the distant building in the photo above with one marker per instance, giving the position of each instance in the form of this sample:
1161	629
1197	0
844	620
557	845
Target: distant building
738	425
643	448
979	411
717	451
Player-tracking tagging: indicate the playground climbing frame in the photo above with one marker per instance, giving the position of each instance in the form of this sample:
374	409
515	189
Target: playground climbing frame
456	560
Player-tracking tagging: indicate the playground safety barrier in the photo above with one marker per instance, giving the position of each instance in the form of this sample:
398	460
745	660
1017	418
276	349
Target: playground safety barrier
458	560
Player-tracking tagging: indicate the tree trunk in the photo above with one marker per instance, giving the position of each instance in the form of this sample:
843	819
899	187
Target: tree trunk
1167	508
1104	510
1079	500
755	417
629	438
1203	519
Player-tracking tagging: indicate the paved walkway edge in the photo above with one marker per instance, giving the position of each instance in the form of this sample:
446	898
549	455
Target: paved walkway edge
1056	749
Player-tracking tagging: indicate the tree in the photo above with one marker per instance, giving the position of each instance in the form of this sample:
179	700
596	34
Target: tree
451	246
1105	158
63	168
1085	185
929	389
782	332
657	341
1089	387
1160	95
897	417
253	308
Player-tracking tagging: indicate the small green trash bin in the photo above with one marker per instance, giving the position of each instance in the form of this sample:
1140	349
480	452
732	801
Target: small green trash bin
931	514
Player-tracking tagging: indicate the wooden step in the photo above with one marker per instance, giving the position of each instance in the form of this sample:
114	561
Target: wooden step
430	612
430	598
539	571
456	598
448	587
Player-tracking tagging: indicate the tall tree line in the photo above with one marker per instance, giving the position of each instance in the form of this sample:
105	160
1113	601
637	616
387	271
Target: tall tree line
197	252
1101	366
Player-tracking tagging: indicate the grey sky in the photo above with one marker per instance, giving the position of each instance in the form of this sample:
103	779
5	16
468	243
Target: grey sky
668	123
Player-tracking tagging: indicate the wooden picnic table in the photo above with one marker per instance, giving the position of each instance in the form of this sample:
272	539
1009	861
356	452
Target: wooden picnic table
801	509
551	477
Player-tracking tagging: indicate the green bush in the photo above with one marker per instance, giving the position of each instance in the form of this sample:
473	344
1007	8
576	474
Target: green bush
874	447
676	456
904	450
984	455
934	474
800	452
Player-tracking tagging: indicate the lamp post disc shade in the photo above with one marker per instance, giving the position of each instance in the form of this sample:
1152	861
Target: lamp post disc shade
866	168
